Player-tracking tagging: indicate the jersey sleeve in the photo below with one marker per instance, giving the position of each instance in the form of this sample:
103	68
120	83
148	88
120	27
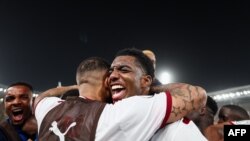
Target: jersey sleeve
168	109
140	116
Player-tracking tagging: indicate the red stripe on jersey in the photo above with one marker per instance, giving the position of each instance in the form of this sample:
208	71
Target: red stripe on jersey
168	108
186	120
231	122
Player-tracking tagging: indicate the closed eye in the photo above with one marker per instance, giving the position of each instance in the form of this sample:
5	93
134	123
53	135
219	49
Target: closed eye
123	69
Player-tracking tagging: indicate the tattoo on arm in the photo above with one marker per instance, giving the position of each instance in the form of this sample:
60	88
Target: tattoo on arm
189	99
176	111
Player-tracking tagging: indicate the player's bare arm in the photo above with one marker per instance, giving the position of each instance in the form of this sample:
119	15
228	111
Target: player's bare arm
185	98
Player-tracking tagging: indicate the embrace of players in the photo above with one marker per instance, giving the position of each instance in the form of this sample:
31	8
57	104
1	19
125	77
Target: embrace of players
119	101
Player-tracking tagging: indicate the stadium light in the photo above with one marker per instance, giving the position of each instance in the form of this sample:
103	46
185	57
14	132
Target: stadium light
225	96
165	77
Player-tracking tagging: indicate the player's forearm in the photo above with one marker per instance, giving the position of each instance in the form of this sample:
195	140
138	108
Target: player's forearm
185	99
165	87
58	91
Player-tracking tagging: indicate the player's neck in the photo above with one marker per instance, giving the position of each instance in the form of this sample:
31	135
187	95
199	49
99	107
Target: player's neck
89	92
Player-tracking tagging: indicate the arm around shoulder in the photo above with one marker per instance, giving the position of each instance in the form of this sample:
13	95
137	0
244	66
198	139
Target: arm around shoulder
58	91
185	99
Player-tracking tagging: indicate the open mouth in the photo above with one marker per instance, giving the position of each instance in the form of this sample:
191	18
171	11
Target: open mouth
118	92
17	114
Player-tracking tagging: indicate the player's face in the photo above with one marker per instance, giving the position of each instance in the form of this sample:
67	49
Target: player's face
125	77
105	91
18	104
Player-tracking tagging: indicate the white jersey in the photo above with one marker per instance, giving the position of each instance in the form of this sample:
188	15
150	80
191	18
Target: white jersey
181	130
132	119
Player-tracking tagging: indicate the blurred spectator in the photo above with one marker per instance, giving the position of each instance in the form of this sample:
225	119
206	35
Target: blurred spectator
228	115
231	113
205	117
150	54
17	104
2	115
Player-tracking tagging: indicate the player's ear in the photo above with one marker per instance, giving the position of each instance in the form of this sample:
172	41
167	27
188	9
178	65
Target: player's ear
202	111
146	81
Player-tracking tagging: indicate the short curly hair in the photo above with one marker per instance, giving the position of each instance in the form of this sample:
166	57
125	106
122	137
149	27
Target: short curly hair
141	58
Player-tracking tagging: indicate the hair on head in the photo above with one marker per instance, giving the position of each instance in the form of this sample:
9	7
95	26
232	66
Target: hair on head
141	58
92	63
89	65
23	84
212	104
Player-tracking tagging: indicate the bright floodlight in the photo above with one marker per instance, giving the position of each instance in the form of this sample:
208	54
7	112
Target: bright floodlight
165	78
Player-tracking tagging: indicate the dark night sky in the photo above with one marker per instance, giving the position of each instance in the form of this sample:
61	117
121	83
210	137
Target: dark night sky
201	43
